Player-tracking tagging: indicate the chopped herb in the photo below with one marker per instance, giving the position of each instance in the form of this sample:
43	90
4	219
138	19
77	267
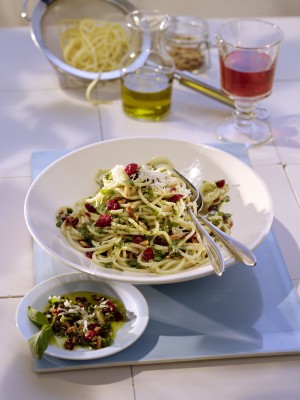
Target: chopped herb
159	255
84	231
59	221
134	264
150	192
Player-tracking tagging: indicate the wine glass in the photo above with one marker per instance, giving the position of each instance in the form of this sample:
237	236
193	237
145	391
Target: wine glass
248	50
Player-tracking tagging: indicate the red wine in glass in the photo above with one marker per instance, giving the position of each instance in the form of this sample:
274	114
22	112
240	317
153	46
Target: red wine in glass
248	49
247	73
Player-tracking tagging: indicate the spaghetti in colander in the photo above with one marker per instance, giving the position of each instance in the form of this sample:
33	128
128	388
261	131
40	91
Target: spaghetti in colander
90	45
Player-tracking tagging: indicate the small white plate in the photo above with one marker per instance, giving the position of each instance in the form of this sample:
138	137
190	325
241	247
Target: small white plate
72	177
134	301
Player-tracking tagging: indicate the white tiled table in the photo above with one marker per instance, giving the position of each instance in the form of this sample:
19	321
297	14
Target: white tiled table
37	114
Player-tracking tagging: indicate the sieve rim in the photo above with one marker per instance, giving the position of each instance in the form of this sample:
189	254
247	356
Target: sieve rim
36	34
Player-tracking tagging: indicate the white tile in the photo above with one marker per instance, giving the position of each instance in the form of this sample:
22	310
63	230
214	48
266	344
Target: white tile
286	215
16	244
265	154
285	120
43	120
24	66
36	114
253	378
19	381
293	173
192	118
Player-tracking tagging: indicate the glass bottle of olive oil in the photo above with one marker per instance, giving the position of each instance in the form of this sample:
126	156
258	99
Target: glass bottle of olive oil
147	73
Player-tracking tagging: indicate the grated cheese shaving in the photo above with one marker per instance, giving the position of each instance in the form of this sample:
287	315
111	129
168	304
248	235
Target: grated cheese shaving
156	178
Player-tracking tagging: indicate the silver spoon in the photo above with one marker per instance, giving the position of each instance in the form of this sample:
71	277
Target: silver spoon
236	248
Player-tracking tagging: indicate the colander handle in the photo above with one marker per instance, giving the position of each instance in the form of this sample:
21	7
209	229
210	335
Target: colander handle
124	5
24	10
24	13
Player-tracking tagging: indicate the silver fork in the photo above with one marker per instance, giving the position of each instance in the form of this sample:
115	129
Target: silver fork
213	251
240	252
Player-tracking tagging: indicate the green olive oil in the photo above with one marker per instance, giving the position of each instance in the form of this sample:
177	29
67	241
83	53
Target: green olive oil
146	96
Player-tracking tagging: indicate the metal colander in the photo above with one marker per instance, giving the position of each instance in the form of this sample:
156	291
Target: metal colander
44	28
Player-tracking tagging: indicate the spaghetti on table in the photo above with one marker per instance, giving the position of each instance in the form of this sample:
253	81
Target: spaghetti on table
138	220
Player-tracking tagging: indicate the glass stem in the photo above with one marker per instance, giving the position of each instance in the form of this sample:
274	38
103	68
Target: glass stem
244	113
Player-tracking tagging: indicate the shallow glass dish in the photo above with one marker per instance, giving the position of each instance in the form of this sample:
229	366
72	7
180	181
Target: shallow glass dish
72	177
135	304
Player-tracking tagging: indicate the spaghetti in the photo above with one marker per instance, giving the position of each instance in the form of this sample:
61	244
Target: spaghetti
138	220
92	46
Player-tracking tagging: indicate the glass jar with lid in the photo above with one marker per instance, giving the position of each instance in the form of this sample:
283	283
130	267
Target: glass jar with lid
186	41
147	72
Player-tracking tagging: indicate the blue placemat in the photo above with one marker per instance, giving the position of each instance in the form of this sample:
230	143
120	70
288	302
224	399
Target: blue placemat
247	312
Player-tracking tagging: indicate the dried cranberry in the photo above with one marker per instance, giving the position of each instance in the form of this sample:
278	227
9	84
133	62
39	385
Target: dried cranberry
89	254
118	316
89	334
175	197
71	221
160	241
131	169
112	204
81	299
220	183
148	254
69	344
138	239
75	222
103	221
109	307
90	207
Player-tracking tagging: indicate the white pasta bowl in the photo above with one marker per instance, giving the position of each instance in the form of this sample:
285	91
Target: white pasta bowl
72	177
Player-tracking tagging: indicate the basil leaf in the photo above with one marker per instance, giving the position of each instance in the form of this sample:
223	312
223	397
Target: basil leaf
39	342
38	318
